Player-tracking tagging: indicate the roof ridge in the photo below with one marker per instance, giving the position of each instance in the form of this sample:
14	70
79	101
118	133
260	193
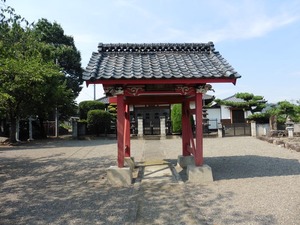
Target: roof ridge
156	47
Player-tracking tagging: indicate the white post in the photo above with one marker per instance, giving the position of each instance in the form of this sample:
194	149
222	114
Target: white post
140	127
162	126
30	129
17	129
56	123
94	92
253	129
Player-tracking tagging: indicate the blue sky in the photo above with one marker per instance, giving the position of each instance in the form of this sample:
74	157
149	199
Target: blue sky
259	38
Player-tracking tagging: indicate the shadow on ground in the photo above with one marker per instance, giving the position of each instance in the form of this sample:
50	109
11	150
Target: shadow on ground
58	142
54	190
61	191
213	207
248	166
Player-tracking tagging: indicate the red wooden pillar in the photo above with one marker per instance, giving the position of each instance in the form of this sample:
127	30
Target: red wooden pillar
120	128
185	128
199	131
127	131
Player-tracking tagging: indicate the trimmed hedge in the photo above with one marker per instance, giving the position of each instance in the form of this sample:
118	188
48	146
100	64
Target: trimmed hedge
98	121
176	118
86	106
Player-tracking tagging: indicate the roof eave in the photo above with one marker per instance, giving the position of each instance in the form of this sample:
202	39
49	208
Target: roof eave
160	81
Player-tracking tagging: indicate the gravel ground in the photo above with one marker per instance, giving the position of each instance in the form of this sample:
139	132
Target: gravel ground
255	183
64	182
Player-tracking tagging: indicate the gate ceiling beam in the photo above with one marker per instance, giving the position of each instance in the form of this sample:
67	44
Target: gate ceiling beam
154	100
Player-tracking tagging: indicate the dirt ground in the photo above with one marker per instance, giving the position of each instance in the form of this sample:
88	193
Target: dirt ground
64	182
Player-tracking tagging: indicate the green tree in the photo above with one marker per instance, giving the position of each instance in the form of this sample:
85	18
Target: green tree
176	115
86	106
260	117
63	52
285	109
298	111
29	83
98	121
281	111
251	102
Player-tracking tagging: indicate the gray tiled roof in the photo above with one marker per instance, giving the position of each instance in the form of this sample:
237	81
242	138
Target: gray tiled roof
157	61
104	100
233	98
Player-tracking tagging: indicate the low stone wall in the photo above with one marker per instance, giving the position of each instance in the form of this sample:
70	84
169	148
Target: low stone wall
290	143
297	127
262	129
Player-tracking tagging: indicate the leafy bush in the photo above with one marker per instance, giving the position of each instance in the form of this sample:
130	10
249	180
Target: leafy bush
112	109
98	121
86	106
176	118
251	102
259	117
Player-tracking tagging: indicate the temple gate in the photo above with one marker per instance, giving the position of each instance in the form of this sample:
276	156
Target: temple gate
154	74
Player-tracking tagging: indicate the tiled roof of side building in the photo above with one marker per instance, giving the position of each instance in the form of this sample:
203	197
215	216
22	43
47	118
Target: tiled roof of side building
233	98
103	99
157	61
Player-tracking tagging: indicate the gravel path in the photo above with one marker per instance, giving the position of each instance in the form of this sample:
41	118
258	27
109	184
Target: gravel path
64	182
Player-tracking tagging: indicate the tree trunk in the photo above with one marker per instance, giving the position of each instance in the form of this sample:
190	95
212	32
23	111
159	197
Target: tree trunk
42	129
273	122
13	126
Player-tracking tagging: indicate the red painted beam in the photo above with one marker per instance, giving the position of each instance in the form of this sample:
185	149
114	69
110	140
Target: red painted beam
199	131
127	131
120	129
154	100
185	129
112	100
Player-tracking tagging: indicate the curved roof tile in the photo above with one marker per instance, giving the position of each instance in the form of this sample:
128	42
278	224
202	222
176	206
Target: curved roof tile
160	61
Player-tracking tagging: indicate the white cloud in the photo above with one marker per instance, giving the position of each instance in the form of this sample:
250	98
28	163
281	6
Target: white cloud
245	20
251	27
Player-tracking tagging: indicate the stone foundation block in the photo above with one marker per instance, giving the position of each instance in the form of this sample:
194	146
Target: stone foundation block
119	176
184	161
199	174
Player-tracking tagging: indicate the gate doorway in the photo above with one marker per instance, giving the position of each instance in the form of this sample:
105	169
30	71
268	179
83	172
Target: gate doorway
151	118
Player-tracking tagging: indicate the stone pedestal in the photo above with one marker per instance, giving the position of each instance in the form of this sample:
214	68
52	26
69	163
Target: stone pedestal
220	130
199	174
119	176
290	131
184	161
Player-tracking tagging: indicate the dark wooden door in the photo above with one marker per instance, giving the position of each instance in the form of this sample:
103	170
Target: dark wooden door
151	122
238	116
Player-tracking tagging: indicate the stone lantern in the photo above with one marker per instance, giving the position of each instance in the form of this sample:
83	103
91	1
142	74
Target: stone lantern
289	126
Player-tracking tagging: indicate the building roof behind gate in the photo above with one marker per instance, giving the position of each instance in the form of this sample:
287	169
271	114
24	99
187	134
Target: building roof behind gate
158	61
